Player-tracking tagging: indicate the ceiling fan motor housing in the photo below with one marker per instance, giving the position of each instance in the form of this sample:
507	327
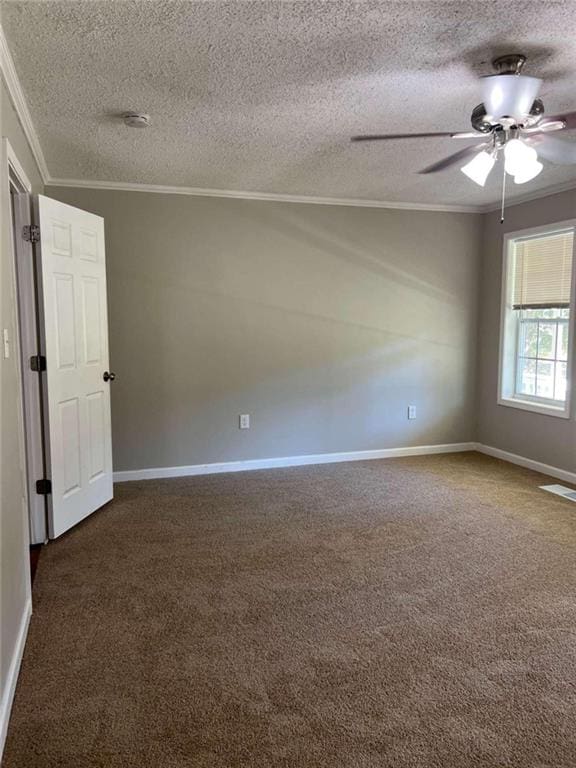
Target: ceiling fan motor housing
481	123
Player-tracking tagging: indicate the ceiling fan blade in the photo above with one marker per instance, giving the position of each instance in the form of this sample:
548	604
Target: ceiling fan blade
555	150
468	135
463	154
549	126
569	118
386	136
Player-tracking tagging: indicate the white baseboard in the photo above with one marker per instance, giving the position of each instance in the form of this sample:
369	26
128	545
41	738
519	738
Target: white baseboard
522	461
12	676
156	473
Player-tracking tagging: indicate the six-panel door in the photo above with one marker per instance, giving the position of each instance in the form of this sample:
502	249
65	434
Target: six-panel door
77	399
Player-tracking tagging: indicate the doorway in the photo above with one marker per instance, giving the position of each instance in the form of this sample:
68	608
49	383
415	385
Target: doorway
27	345
61	337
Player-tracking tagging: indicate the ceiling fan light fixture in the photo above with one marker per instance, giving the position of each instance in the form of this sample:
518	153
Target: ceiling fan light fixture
510	95
518	157
528	173
479	167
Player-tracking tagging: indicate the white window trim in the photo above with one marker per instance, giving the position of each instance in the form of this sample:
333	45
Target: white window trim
528	403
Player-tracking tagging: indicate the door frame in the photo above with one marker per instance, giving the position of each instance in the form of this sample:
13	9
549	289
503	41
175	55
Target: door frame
26	344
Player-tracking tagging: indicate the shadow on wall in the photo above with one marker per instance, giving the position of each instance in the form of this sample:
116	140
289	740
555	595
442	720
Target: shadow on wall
333	392
324	337
366	248
293	263
322	322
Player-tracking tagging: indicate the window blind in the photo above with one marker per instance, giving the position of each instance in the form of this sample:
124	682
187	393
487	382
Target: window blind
542	274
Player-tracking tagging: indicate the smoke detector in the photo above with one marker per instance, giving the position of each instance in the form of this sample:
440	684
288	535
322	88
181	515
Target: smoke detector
136	120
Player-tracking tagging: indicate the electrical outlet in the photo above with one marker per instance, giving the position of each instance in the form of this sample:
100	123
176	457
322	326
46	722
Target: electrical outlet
411	411
244	421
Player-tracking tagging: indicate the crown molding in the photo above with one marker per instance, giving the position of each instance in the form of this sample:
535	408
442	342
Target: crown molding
537	194
236	194
20	105
8	70
262	196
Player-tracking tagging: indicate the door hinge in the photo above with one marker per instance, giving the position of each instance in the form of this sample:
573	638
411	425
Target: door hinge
43	487
31	233
38	363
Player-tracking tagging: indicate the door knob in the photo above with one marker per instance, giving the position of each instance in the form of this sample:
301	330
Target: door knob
109	376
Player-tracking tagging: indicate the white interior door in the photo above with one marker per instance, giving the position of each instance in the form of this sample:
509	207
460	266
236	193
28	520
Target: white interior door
75	331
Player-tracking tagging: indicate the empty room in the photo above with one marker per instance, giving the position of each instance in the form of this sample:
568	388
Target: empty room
288	413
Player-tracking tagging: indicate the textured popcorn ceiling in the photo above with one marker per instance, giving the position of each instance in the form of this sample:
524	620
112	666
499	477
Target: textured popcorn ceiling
264	96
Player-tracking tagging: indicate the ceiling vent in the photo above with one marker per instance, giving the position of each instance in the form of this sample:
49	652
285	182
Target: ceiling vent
561	490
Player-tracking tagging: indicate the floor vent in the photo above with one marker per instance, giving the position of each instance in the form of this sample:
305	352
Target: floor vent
561	490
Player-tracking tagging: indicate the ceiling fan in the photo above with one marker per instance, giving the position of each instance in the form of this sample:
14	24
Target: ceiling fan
511	121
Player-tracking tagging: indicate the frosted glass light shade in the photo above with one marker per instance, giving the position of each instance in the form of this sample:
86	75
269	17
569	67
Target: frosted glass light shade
518	157
509	95
479	167
529	172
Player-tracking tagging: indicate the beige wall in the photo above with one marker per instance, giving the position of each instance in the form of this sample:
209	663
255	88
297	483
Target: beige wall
322	322
13	519
543	438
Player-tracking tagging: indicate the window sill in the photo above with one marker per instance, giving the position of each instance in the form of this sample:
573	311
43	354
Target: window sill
562	412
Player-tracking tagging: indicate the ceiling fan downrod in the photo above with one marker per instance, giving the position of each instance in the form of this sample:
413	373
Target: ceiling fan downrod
510	64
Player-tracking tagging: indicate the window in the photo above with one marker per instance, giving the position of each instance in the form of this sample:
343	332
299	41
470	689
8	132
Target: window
537	320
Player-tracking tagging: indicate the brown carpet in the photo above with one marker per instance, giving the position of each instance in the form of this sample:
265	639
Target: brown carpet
413	612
